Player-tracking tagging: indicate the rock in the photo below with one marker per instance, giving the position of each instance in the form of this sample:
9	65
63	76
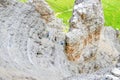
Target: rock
111	77
118	65
4	3
33	44
85	28
90	45
30	46
116	72
44	10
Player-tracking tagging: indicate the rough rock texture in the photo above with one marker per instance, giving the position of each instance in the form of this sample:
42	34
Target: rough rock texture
85	27
90	45
109	73
33	45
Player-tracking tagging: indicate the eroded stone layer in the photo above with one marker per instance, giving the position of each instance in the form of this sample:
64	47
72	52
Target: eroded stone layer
85	42
87	21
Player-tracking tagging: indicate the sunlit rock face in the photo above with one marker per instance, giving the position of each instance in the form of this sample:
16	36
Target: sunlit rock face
33	45
89	45
85	28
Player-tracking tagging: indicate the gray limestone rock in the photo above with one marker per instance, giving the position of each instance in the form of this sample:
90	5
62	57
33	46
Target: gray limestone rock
116	72
31	48
33	45
85	27
89	45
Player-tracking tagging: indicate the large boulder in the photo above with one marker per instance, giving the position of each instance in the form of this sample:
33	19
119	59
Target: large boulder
89	45
31	42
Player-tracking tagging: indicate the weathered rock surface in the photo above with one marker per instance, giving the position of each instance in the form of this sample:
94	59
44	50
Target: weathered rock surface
34	47
88	43
31	47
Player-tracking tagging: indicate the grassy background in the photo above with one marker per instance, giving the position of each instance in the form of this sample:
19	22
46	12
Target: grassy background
23	1
63	10
112	13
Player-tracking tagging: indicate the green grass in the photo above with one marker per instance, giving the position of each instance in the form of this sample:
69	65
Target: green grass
63	10
112	13
23	1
